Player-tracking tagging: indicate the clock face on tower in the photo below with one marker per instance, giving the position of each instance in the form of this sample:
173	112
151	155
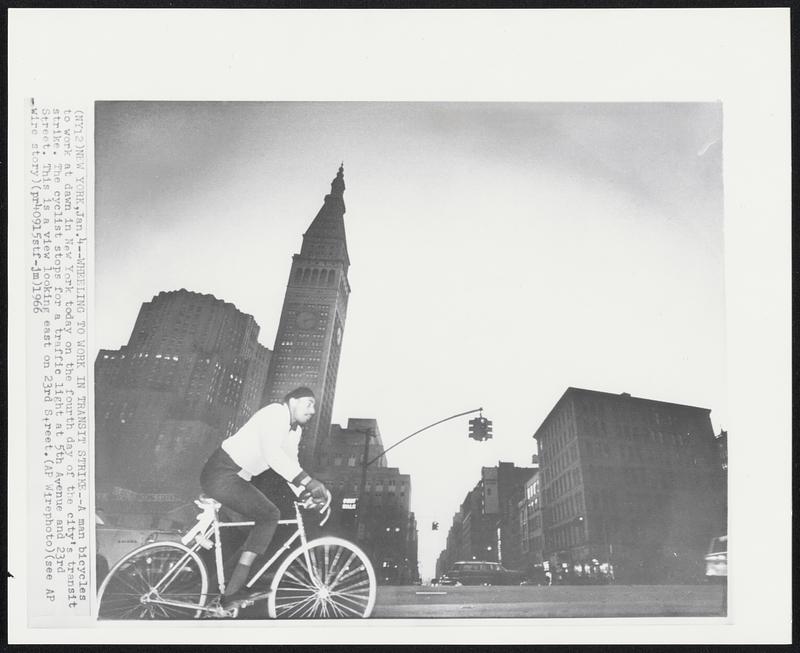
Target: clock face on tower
307	320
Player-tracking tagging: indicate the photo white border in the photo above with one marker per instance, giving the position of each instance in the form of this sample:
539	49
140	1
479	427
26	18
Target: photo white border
737	56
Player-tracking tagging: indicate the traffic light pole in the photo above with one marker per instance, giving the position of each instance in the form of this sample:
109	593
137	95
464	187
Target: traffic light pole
425	428
368	433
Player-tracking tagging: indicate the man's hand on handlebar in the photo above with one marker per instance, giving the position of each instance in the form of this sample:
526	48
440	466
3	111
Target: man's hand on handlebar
317	490
316	496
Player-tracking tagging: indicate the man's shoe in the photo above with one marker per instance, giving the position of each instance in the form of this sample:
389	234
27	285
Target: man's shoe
243	599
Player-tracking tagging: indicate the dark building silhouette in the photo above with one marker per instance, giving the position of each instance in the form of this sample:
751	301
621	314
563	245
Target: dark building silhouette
530	525
191	374
722	447
630	486
383	523
309	337
487	525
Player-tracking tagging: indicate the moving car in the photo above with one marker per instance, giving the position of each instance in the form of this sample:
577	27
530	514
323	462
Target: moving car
717	559
480	572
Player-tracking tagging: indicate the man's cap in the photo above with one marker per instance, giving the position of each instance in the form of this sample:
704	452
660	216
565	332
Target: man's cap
299	393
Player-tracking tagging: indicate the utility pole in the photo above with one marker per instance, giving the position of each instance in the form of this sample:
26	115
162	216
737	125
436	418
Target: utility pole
368	433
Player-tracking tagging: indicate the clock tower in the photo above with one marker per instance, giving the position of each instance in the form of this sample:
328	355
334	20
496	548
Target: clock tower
309	337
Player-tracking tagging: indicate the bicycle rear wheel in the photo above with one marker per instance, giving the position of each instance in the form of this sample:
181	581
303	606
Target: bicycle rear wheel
329	578
128	590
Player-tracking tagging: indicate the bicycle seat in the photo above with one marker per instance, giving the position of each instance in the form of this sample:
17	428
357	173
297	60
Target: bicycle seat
207	502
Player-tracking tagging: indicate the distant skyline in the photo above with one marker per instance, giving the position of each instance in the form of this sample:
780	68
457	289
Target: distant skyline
500	253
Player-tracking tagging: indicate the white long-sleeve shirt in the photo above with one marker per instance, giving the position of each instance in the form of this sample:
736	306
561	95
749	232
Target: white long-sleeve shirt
267	440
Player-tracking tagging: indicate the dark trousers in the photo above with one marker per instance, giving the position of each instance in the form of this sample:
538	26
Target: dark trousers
220	479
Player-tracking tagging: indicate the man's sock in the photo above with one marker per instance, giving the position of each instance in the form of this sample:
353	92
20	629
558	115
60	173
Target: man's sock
240	573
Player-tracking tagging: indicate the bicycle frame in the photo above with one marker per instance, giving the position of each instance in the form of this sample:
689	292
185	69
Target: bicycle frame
319	577
206	533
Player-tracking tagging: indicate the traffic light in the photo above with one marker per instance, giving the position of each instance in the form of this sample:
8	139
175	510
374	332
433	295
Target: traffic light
480	428
435	526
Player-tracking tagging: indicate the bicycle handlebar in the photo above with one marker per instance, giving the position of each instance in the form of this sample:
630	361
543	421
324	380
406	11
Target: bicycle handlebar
308	502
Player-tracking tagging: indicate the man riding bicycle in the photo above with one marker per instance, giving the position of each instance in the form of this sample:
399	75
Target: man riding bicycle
268	440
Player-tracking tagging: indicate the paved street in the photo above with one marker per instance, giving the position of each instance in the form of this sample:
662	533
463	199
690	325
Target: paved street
557	601
415	601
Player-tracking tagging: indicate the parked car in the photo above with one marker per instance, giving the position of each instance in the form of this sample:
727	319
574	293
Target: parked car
113	543
717	559
479	572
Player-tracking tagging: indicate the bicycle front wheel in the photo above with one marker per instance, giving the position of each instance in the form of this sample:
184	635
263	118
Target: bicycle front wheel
329	578
161	580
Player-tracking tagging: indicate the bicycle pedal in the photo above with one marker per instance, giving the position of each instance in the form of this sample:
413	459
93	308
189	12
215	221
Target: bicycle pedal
223	613
218	611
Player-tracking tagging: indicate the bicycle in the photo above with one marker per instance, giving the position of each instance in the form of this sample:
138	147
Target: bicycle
327	577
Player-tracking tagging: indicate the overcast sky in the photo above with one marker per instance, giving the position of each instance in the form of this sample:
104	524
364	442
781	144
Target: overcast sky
499	254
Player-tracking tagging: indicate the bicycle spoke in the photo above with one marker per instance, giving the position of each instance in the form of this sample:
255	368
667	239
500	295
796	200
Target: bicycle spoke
344	569
140	574
335	608
312	608
336	558
329	579
131	610
350	606
302	583
296	606
327	554
315	567
289	605
161	608
341	579
348	611
352	595
125	581
353	586
349	596
175	570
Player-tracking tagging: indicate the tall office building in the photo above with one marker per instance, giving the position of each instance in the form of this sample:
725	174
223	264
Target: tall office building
630	486
309	337
383	523
191	374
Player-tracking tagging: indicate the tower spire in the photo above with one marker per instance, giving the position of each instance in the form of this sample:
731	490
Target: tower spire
337	185
312	322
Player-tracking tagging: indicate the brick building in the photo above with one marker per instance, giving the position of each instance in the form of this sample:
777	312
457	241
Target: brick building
629	485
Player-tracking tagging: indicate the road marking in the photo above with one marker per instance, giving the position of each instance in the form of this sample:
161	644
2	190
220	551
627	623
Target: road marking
430	592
